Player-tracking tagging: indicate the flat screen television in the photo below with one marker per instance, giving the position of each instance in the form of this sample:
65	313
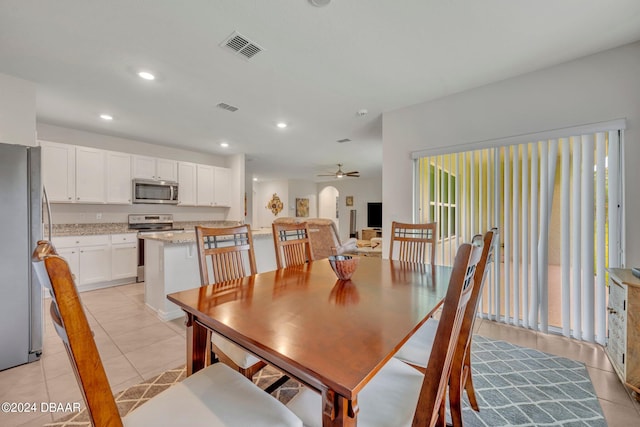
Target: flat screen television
374	214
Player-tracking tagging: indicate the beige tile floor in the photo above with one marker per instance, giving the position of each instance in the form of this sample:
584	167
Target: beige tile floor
135	345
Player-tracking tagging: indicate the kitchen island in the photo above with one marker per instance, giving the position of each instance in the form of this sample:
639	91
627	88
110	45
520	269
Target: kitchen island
171	265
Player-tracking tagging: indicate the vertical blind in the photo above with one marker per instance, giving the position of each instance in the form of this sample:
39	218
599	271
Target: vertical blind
557	203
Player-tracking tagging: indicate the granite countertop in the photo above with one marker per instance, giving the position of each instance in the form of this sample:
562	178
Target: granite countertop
60	230
177	237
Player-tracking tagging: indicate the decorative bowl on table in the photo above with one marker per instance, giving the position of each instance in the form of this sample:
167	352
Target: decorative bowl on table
344	265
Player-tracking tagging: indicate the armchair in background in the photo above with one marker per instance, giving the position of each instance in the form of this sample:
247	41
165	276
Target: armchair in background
324	239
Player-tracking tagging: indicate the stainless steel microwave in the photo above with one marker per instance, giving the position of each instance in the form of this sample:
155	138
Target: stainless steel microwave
152	191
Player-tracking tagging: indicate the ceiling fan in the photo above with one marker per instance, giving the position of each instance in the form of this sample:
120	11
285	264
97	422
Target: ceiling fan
339	173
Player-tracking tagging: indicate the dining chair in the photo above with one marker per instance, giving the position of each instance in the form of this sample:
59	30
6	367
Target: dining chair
226	254
398	394
413	241
417	349
291	241
214	396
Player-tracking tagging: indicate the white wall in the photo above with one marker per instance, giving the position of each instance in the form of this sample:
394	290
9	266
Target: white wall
17	111
600	87
236	211
262	194
363	190
301	189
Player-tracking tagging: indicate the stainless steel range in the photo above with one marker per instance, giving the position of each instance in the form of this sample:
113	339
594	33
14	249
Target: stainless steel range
149	223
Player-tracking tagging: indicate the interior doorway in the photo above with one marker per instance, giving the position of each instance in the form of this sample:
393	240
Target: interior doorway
328	204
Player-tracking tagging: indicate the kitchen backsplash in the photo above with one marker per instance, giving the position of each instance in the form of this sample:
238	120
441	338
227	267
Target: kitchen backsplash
63	213
119	227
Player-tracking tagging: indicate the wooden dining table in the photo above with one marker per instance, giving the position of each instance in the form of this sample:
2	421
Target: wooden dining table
331	335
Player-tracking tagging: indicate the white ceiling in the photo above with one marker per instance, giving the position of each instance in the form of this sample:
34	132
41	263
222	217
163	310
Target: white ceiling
318	68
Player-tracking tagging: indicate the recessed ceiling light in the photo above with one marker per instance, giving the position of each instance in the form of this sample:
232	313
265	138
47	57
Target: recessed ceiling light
106	117
224	144
146	75
319	3
255	179
282	125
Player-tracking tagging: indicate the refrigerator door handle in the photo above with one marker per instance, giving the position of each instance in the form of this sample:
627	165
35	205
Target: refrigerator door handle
46	199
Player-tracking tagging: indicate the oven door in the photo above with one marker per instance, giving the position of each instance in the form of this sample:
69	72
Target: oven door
156	192
140	277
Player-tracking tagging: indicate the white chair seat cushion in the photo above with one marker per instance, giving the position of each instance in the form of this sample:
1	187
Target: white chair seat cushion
389	399
240	357
417	349
215	396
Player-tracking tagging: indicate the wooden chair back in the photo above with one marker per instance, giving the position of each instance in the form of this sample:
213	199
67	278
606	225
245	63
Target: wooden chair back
487	242
431	403
413	241
292	244
70	321
461	378
227	253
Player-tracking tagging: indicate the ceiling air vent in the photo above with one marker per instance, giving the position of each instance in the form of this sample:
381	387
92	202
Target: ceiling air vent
341	141
241	45
227	107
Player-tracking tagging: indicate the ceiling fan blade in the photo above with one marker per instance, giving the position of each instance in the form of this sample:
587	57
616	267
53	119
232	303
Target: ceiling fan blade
351	173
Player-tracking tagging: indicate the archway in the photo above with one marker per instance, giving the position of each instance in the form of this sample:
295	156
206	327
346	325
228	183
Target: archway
328	204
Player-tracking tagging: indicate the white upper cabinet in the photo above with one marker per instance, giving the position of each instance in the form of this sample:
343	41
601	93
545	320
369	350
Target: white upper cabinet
153	168
204	194
118	178
166	170
79	174
221	187
186	184
144	167
73	174
213	186
59	171
90	175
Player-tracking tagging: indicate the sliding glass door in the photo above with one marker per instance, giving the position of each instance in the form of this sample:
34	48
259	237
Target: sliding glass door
557	203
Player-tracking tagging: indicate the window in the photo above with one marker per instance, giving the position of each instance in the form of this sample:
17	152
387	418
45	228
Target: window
442	196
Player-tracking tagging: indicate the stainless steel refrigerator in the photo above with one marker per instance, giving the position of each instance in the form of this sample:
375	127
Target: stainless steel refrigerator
21	323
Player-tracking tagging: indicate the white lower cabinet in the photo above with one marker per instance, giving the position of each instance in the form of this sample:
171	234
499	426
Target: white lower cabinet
94	264
100	260
72	255
124	256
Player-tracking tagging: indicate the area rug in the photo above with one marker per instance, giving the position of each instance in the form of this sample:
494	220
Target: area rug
515	386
